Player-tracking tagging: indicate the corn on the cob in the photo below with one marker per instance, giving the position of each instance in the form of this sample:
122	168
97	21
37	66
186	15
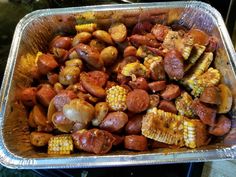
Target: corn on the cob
90	27
163	127
60	145
187	42
116	98
135	68
195	133
149	60
197	51
210	78
201	66
171	40
183	105
142	52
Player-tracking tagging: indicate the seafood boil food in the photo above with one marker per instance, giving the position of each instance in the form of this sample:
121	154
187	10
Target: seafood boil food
136	88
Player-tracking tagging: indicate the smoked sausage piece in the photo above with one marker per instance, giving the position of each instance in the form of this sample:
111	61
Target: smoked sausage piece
222	126
139	83
137	100
28	96
93	140
114	121
211	95
133	127
157	86
45	94
173	65
206	114
160	31
46	63
171	92
148	39
61	42
167	106
98	77
135	142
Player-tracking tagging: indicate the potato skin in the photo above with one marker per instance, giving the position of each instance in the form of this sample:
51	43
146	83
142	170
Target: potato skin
118	32
114	121
39	138
135	142
108	55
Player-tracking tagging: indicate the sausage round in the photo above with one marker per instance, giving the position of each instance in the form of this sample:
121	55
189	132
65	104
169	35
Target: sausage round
137	101
46	63
118	140
61	42
221	127
45	94
114	121
28	96
129	51
171	92
206	114
167	106
173	65
211	95
160	31
212	45
139	83
39	138
157	86
98	77
133	127
135	142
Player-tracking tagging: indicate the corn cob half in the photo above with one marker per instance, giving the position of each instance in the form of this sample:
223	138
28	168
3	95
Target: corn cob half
183	105
116	98
90	27
60	145
134	68
163	127
149	60
195	133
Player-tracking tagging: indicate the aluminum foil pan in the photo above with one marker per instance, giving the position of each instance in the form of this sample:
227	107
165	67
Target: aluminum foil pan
37	29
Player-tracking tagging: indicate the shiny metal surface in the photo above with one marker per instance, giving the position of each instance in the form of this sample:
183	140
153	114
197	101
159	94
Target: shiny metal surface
38	27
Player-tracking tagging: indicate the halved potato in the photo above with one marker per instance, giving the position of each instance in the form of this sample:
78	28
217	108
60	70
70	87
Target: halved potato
225	98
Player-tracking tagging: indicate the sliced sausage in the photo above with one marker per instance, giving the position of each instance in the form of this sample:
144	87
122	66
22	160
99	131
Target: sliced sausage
173	65
171	92
167	106
118	140
212	45
98	77
28	96
82	37
148	39
139	83
211	95
135	142
89	55
154	100
46	63
206	114
157	86
61	42
133	127
129	51
39	116
52	78
222	126
114	121
199	36
137	100
93	140
39	138
91	87
45	94
160	31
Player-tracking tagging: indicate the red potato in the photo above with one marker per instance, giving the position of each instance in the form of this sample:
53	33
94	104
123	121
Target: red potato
171	92
46	63
174	65
148	39
222	126
167	106
114	121
103	36
129	51
135	142
139	83
118	32
62	98
137	101
28	96
93	140
199	36
45	94
82	37
61	42
206	114
133	127
157	86
39	138
62	123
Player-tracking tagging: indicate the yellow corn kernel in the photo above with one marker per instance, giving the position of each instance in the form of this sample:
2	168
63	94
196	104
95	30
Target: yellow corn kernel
195	133
135	68
116	98
149	60
60	145
90	27
187	43
183	105
164	127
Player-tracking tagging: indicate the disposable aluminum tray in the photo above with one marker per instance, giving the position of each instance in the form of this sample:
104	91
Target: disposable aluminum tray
36	29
